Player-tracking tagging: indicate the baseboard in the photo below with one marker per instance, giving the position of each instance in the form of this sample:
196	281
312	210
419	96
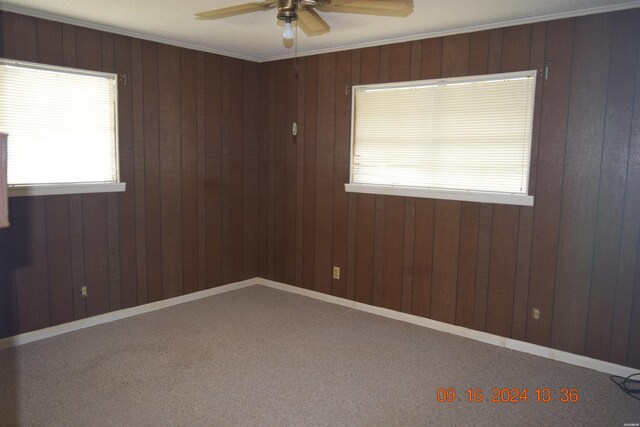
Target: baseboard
525	347
41	334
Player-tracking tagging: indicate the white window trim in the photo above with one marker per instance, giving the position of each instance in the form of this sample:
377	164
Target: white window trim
434	193
58	189
429	193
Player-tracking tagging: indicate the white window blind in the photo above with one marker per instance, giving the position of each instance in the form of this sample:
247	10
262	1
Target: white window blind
62	124
465	135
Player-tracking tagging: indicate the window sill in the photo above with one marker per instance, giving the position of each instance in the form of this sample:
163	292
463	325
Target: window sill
57	189
499	198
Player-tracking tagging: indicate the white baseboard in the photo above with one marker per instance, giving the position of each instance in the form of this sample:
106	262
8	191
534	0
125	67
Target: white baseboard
525	347
119	314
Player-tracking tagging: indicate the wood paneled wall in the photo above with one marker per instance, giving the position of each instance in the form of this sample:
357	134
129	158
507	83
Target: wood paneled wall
4	203
189	153
574	255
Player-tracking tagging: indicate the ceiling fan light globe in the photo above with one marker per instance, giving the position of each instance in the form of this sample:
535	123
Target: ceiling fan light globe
288	31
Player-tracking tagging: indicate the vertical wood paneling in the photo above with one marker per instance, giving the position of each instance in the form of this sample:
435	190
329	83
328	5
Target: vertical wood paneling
410	204
232	164
342	140
19	37
189	169
8	300
56	208
49	46
425	208
126	200
546	219
324	171
633	350
94	206
467	263
76	237
365	208
26	215
263	102
627	265
170	166
27	219
153	206
470	212
59	259
394	209
455	56
378	249
525	233
300	156
309	201
365	228
407	254
502	268
282	196
201	155
492	65
613	174
139	169
353	199
380	206
423	258
431	58
271	172
113	244
96	253
8	291
482	269
290	172
213	159
446	241
251	144
393	251
585	128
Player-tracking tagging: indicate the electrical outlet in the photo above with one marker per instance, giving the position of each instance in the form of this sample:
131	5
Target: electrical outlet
336	272
83	291
535	313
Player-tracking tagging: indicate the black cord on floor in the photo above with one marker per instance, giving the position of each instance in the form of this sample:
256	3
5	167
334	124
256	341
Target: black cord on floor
629	386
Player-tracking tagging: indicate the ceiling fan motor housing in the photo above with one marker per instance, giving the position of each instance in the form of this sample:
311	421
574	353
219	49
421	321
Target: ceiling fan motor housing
287	10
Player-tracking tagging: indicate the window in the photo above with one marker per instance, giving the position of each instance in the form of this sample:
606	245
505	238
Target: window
463	138
62	127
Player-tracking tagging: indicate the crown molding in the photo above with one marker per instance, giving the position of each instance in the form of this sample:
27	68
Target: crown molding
122	32
464	30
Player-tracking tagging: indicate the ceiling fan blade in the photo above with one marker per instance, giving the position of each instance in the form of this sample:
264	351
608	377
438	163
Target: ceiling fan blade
399	8
311	23
236	10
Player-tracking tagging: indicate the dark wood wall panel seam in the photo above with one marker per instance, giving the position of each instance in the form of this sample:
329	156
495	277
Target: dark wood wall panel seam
597	204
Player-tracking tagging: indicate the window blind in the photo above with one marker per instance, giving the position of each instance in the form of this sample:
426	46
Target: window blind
469	134
62	124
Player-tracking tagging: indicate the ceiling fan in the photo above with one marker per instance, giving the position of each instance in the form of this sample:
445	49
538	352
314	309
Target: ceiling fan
304	11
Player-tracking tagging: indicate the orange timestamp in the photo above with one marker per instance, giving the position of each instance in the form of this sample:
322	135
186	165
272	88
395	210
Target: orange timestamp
509	395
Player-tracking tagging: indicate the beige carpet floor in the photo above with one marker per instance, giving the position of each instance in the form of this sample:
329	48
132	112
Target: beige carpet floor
259	356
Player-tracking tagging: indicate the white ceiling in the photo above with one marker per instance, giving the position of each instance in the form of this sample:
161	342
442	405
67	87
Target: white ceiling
256	36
